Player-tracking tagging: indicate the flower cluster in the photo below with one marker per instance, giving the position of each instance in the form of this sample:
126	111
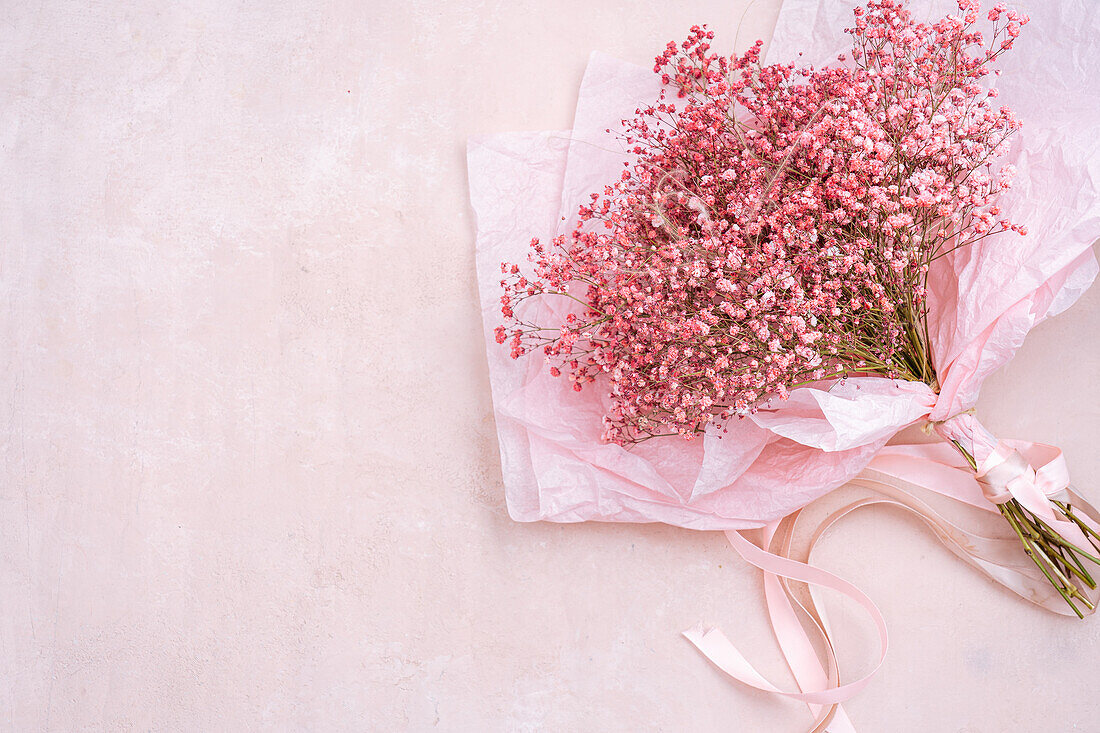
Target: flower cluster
776	224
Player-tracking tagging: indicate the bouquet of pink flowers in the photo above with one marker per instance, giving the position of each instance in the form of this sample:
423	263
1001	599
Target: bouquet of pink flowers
777	225
793	264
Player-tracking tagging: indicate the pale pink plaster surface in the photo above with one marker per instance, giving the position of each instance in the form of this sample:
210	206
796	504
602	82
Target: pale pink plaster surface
249	473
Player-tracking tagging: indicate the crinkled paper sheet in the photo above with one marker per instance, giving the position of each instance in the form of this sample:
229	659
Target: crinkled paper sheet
984	299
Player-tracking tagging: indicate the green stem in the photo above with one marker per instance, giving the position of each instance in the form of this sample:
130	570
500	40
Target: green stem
1031	553
1058	559
1090	533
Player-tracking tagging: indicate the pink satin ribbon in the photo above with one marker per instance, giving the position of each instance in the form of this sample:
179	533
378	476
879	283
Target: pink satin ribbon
905	476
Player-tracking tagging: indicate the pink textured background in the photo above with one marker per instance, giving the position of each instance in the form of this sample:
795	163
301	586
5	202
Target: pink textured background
249	474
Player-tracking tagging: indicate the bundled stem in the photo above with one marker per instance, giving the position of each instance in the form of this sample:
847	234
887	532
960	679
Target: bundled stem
1061	562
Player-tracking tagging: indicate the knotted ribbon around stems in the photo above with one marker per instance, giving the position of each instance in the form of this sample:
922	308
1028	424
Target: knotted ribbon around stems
910	477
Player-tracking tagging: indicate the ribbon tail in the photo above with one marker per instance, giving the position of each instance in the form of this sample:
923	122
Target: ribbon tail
797	649
820	689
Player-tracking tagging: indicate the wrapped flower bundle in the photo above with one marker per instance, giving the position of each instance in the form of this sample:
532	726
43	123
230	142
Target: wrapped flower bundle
791	264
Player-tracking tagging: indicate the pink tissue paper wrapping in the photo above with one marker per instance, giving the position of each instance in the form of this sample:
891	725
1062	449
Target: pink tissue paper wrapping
983	299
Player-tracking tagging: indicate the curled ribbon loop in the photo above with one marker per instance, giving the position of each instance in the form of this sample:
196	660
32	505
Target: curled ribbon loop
819	683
